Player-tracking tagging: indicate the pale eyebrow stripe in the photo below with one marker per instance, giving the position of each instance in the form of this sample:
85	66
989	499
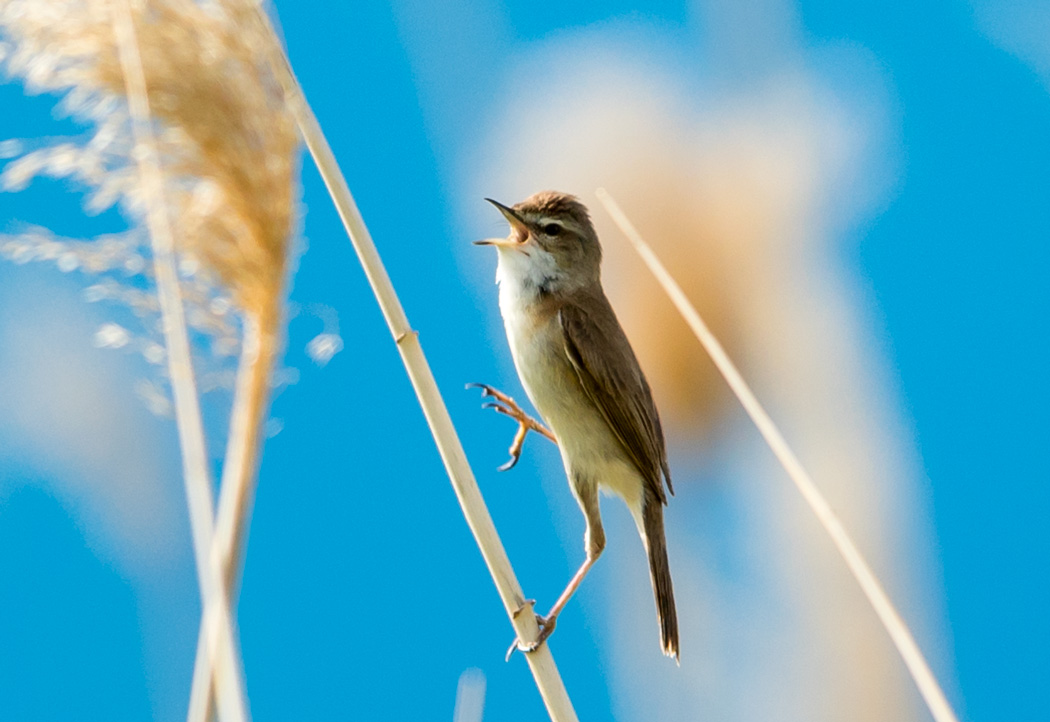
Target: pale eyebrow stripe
544	221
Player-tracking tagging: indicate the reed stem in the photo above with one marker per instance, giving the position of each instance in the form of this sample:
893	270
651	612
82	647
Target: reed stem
239	482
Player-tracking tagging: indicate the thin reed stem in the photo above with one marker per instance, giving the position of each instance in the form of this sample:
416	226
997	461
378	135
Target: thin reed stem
541	662
239	481
232	700
243	450
862	572
201	691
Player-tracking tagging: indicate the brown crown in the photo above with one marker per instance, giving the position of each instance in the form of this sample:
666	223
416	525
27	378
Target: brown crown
553	204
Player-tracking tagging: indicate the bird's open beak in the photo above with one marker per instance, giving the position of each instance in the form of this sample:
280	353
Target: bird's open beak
519	230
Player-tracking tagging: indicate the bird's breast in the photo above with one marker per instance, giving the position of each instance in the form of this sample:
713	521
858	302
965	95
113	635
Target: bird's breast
588	445
535	339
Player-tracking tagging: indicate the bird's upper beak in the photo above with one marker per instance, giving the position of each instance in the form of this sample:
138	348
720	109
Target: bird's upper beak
519	229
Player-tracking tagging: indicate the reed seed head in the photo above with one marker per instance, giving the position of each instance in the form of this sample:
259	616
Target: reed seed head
227	144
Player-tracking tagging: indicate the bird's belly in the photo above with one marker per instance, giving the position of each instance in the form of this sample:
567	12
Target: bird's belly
591	452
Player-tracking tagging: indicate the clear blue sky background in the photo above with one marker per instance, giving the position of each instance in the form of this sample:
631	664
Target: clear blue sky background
364	595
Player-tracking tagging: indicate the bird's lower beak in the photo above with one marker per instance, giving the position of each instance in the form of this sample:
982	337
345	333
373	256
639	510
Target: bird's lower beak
519	230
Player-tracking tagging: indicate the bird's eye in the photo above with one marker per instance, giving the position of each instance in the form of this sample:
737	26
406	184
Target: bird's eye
552	229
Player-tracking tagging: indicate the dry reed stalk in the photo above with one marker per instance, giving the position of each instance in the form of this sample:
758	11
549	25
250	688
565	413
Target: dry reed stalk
895	626
541	662
231	698
237	492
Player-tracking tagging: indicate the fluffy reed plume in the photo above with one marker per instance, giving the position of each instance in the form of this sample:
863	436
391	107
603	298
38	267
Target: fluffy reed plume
215	121
227	145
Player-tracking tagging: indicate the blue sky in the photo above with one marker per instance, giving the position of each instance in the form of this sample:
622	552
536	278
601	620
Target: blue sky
364	595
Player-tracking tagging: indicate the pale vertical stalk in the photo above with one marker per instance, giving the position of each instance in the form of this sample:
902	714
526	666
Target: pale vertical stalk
241	466
239	481
201	691
541	662
187	410
862	572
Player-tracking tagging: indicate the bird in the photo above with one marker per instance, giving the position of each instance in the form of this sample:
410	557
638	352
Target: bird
580	373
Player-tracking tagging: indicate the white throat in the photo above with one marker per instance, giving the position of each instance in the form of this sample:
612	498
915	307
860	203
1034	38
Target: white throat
524	275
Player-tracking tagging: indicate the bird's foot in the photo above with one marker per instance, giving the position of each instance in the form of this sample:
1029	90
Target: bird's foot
509	407
546	625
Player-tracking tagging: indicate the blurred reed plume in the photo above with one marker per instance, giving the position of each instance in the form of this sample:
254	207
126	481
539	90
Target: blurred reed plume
227	144
209	168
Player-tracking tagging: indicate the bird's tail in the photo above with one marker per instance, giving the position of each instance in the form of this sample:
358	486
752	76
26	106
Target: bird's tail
656	546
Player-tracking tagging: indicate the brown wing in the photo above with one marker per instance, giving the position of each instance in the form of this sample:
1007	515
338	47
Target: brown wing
620	391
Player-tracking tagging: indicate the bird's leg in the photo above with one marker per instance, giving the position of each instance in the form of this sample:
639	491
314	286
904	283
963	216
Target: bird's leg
509	407
594	540
548	622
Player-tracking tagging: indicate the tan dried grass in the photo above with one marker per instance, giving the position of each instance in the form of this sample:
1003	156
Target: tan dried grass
217	129
226	142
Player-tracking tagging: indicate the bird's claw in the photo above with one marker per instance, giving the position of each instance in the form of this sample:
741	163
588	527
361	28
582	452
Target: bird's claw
546	625
509	407
497	407
519	437
503	403
487	390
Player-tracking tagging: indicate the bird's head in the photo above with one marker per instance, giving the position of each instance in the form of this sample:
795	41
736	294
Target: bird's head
551	244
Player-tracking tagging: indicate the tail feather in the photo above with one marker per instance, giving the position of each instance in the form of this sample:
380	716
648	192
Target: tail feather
656	545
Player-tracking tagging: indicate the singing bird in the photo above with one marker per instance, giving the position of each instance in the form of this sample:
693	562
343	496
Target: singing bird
580	373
